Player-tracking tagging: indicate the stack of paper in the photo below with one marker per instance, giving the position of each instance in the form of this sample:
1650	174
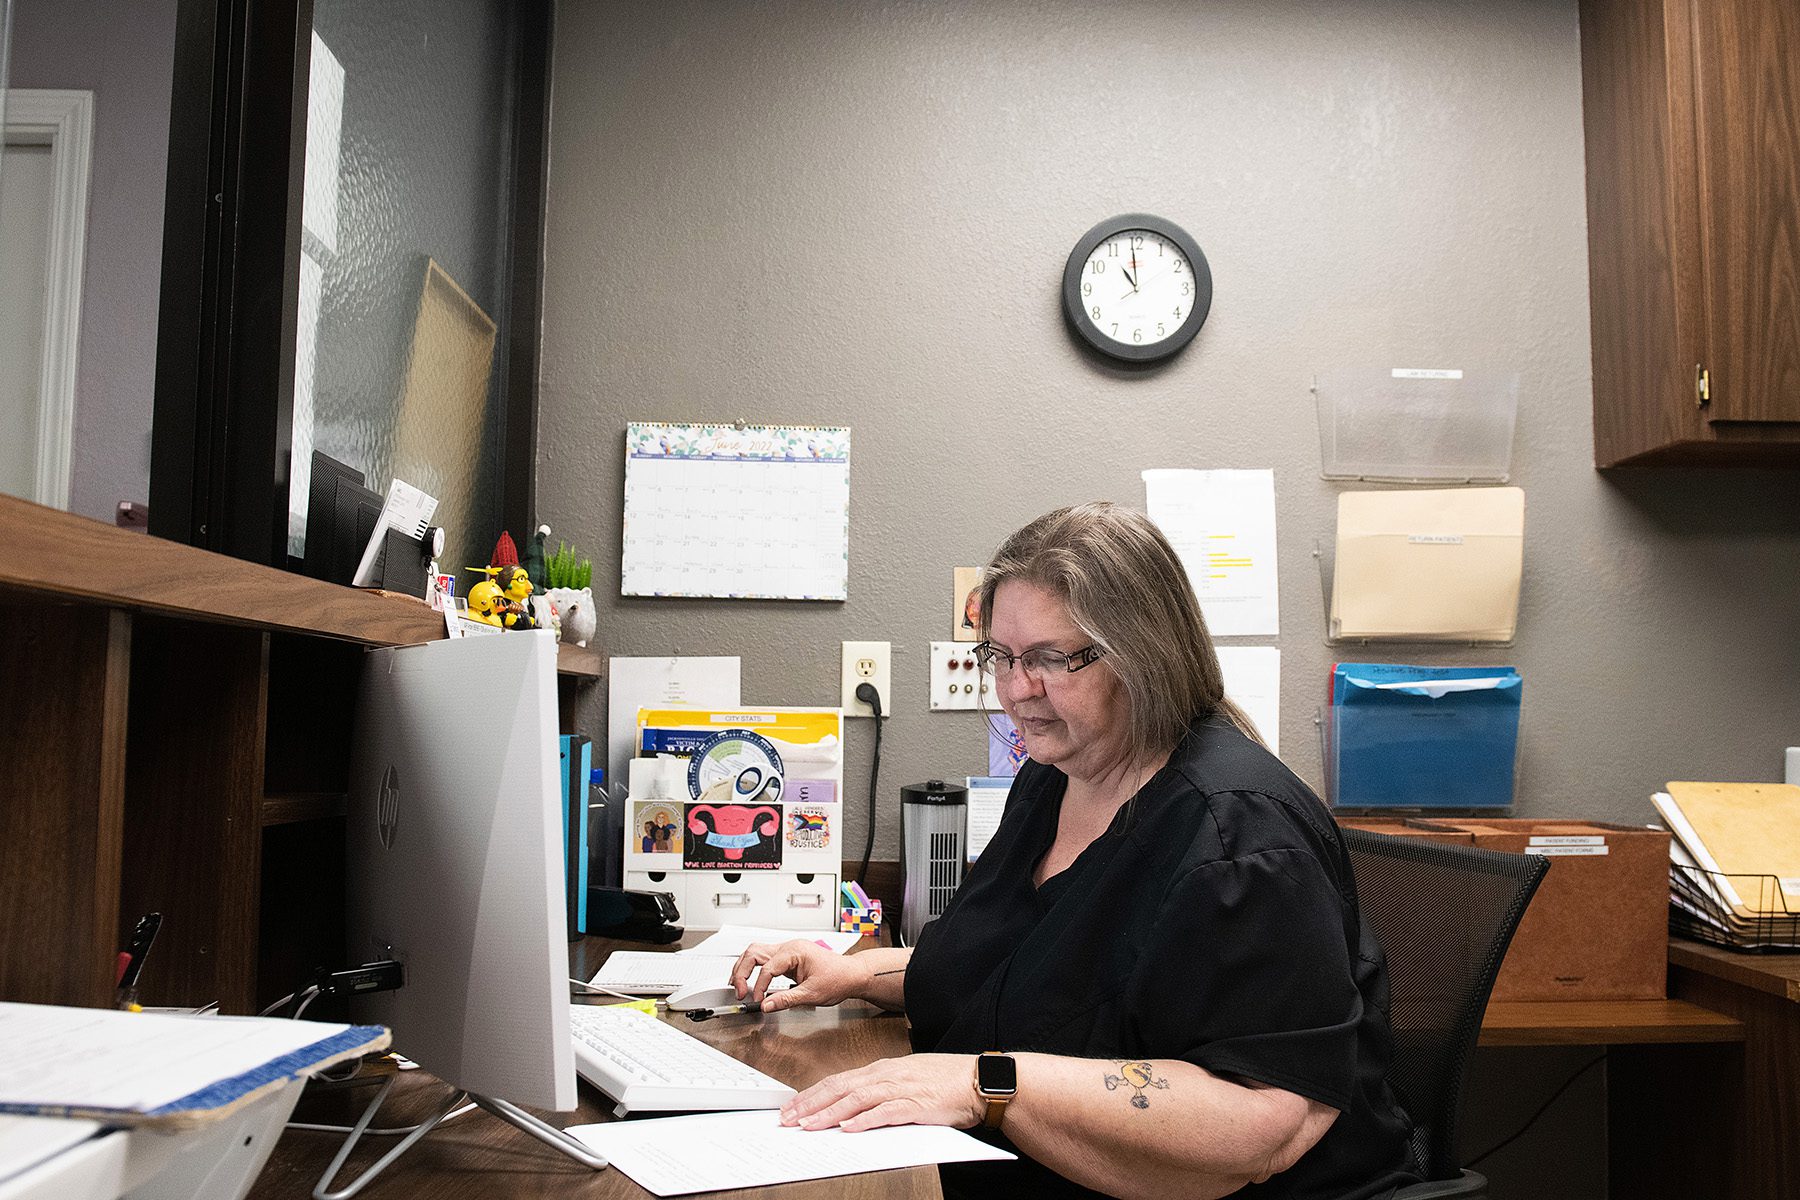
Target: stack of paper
1734	873
144	1068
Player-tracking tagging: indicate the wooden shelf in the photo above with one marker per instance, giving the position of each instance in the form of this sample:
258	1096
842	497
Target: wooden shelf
582	662
55	554
1604	1023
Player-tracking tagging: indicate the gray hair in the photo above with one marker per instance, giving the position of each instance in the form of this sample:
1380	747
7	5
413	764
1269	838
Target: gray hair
1125	588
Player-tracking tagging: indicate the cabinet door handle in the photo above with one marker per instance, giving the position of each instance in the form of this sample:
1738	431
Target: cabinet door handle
731	899
805	900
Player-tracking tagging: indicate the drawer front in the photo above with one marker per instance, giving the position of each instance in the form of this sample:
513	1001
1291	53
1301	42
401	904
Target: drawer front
777	899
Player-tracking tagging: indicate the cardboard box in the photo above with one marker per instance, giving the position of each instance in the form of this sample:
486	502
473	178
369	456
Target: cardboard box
1407	827
1598	927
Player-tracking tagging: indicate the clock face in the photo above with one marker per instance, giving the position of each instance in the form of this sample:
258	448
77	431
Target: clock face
1137	288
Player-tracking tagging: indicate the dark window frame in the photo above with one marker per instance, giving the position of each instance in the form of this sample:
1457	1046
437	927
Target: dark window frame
223	416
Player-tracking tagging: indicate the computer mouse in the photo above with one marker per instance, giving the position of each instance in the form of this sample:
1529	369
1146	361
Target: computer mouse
712	995
703	995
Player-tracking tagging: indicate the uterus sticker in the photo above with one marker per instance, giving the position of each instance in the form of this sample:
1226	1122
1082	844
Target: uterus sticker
733	837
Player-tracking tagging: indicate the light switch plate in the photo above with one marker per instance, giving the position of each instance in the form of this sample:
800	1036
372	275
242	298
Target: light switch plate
957	684
867	662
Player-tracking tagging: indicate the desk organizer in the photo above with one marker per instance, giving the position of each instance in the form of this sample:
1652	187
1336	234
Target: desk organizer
762	843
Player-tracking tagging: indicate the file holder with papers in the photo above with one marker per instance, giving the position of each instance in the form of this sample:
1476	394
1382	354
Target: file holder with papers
1699	909
1421	739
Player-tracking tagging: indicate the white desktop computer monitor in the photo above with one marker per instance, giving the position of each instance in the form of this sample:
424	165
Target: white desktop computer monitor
455	862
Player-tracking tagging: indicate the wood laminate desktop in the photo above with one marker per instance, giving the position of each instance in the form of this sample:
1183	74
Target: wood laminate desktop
479	1156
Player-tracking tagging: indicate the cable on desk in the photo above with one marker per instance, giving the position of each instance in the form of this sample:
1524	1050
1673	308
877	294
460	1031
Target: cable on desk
598	990
306	996
398	1131
1542	1109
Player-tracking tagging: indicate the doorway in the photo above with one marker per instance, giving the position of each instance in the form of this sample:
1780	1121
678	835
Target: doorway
43	236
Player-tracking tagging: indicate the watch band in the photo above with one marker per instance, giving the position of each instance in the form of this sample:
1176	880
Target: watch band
996	1100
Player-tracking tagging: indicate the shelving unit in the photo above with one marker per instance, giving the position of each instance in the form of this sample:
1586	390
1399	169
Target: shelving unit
179	742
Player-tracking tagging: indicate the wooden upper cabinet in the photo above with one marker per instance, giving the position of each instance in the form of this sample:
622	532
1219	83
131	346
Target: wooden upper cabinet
1692	115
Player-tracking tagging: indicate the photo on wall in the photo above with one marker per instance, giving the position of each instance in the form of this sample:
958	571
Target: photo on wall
965	604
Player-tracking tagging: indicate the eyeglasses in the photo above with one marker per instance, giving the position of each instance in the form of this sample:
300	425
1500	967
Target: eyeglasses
1040	664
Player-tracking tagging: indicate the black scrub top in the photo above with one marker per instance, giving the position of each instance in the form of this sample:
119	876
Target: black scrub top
1215	922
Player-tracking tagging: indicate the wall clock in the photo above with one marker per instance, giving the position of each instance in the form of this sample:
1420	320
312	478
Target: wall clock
1137	288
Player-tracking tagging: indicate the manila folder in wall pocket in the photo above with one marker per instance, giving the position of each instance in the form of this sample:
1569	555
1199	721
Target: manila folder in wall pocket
1430	565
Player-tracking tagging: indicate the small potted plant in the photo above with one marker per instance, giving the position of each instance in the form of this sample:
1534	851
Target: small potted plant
567	575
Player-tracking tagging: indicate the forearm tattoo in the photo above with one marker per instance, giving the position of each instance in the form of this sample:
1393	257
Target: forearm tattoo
1137	1076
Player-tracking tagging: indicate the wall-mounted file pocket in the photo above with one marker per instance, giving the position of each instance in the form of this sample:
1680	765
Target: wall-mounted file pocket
1439	739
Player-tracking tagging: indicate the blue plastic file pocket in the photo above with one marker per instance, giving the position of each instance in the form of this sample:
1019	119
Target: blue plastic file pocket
1423	739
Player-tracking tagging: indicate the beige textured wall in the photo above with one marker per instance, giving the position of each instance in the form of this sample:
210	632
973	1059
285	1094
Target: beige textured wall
826	212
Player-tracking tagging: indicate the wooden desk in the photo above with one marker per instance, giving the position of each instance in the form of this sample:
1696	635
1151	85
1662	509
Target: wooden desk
1701	1127
478	1156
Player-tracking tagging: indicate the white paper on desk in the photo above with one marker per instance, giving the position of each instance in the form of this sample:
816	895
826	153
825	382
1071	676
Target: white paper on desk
1253	683
663	682
102	1058
987	804
677	1156
408	510
733	940
1222	524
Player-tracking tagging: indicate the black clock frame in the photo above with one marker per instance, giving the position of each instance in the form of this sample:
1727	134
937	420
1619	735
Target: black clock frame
1076	312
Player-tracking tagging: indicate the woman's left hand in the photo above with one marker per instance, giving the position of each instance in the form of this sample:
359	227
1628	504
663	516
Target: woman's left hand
920	1089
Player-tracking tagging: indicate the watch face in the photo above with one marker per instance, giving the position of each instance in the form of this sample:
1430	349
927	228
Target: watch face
996	1075
1137	287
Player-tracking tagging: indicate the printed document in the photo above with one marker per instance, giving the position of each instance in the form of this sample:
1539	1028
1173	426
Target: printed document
1253	683
1222	524
677	1156
91	1059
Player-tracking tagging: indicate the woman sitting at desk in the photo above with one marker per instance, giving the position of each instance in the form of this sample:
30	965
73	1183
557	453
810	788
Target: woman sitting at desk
1162	938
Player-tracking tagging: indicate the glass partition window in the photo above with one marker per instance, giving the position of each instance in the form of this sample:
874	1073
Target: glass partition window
404	259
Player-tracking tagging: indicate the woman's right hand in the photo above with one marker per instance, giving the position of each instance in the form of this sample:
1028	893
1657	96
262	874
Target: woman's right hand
820	977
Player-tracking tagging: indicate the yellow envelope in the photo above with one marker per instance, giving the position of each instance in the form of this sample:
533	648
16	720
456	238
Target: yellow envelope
1429	565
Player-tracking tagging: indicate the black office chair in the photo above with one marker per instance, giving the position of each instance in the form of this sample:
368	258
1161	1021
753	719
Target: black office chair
1443	916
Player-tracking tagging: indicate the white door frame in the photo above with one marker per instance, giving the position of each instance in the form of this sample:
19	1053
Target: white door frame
64	121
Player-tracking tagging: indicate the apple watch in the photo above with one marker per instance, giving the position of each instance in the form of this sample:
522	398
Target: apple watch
997	1082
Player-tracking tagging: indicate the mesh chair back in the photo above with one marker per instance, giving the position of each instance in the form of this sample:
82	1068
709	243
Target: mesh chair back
1443	916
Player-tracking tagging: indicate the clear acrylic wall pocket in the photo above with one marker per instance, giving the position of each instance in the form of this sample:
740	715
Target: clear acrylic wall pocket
1416	424
1422	739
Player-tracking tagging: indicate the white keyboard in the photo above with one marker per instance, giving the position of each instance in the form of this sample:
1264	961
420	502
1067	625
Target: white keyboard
647	1065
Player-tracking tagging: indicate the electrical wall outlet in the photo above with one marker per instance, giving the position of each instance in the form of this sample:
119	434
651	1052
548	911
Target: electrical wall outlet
868	662
957	682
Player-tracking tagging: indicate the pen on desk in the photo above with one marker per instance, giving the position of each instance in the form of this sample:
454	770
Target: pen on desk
724	1010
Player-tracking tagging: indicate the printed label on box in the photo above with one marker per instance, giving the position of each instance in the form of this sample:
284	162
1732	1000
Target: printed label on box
810	791
808	826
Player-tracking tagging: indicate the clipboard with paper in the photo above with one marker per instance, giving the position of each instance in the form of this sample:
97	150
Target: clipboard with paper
1436	565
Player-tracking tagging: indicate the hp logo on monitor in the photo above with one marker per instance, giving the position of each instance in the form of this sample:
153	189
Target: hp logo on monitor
387	807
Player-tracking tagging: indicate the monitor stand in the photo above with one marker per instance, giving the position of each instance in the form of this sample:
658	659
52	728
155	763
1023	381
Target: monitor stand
510	1113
